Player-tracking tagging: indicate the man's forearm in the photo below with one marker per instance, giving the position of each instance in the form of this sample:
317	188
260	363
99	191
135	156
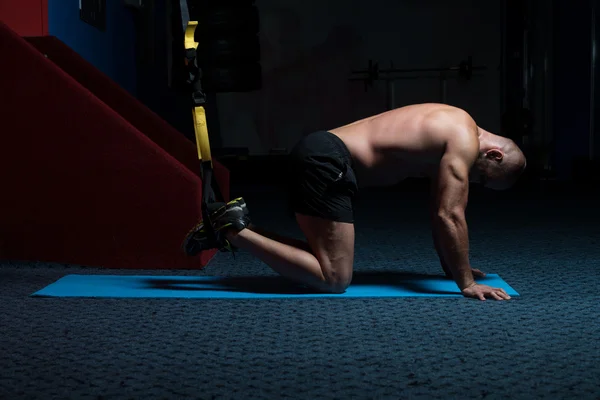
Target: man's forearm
453	242
440	253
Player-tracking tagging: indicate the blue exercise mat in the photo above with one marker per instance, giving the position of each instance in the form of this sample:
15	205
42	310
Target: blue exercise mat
269	287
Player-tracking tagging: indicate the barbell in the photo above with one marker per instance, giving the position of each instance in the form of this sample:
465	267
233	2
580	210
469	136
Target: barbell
465	71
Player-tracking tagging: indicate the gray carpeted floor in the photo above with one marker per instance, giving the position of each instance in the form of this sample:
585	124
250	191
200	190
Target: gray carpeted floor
543	344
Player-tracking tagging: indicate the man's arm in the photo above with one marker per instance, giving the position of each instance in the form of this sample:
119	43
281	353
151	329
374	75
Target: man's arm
438	248
451	193
450	196
436	240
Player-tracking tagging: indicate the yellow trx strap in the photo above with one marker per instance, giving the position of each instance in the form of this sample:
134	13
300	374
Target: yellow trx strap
190	42
200	126
202	141
199	113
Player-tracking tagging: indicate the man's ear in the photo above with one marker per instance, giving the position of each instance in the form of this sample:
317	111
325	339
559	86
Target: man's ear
495	155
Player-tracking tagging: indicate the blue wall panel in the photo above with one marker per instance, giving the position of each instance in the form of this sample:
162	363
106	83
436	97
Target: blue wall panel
111	51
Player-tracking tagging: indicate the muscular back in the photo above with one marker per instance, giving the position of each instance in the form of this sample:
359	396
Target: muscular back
404	143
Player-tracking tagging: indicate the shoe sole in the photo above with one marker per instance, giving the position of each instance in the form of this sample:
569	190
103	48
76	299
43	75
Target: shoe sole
220	212
230	207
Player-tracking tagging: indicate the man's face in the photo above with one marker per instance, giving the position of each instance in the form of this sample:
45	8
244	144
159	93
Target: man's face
487	173
478	173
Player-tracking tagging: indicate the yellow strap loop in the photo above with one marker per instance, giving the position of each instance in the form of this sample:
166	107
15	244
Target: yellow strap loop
189	41
201	128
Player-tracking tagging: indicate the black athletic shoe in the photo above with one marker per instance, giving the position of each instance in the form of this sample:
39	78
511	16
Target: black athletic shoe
233	215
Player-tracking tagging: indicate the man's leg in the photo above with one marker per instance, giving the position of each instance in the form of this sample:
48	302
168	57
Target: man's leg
300	244
327	267
322	184
321	187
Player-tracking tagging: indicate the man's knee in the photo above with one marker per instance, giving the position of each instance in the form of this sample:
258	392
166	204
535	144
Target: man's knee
338	287
332	244
338	283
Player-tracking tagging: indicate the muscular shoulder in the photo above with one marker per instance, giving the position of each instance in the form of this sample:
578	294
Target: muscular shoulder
463	144
458	133
451	182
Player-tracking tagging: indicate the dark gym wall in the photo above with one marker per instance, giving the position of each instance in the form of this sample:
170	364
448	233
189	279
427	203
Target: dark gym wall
596	84
111	51
572	82
572	95
310	47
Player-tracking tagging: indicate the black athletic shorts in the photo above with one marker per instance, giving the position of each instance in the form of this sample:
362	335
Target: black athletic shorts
322	182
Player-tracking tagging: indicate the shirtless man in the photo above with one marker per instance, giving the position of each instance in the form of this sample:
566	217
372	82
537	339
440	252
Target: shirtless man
435	141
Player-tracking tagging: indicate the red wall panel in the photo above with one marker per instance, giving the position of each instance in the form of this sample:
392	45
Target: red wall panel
96	188
26	17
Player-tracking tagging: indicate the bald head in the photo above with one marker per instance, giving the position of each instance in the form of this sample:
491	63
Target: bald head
500	162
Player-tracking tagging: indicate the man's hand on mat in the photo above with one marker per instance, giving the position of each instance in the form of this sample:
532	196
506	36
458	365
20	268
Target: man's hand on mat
482	292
